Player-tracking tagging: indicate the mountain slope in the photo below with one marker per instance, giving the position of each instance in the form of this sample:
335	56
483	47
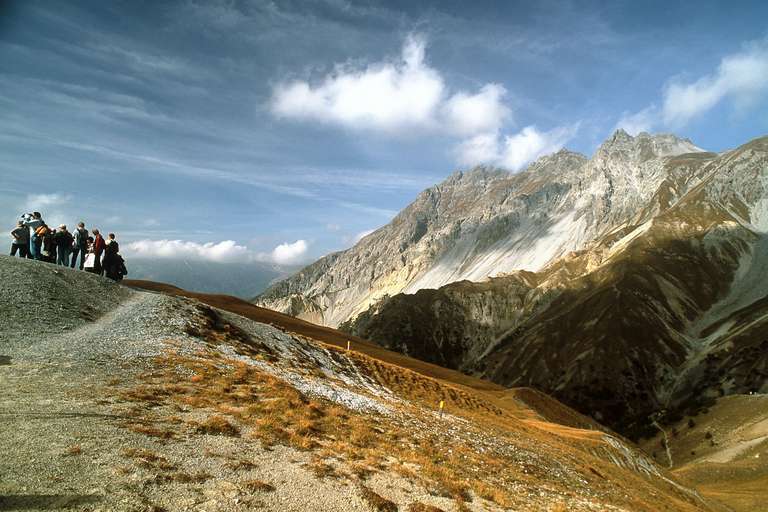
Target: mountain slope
721	450
661	314
483	223
131	400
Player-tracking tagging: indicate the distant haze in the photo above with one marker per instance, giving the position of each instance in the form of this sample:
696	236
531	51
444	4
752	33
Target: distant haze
244	280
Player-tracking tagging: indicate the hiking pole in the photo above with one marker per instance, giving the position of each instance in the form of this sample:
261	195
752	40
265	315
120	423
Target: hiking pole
442	405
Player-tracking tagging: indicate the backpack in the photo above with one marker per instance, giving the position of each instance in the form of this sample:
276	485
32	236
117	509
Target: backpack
81	238
123	271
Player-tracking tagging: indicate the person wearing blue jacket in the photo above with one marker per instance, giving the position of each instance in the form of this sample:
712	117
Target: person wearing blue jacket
33	221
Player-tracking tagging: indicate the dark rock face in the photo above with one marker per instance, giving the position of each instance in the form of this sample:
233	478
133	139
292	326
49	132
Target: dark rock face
663	313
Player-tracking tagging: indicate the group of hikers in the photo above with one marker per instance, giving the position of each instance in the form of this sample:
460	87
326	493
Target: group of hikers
34	239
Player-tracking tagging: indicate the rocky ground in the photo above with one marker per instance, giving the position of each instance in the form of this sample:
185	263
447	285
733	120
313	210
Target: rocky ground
116	399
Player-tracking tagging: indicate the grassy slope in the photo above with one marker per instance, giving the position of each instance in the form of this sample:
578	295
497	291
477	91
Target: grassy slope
541	420
508	399
722	452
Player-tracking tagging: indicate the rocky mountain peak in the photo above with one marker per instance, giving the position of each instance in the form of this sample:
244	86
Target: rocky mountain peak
560	160
644	146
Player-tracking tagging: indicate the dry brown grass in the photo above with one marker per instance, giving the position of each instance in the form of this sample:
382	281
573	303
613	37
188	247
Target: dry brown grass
272	411
240	465
423	507
217	425
186	478
148	459
322	469
258	486
376	501
73	450
152	431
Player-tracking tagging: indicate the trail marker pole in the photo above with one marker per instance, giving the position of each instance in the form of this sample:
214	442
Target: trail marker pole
442	405
347	344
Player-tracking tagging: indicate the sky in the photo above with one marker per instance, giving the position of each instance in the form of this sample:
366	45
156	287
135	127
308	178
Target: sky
280	131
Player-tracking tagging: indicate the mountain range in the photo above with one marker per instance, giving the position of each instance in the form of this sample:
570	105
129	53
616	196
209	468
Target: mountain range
630	285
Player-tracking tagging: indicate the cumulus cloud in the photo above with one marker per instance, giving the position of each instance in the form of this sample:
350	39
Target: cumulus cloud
393	95
642	121
408	93
289	253
468	114
530	144
227	251
742	76
513	152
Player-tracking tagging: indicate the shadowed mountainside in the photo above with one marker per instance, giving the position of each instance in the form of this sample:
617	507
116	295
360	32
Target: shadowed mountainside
660	316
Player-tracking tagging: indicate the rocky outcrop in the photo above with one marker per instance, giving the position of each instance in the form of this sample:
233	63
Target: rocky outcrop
665	311
484	223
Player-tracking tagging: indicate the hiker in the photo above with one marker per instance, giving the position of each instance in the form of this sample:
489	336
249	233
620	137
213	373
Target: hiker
79	244
33	221
20	243
112	260
63	241
44	243
90	257
98	249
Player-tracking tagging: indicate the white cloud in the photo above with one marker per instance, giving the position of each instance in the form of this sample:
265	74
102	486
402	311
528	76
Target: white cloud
227	251
289	253
530	144
480	149
39	202
390	96
642	121
513	152
407	93
742	77
54	207
479	113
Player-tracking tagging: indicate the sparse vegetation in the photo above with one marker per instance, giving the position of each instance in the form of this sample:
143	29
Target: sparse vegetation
276	413
73	450
348	444
148	459
422	507
152	431
258	486
217	425
376	501
240	464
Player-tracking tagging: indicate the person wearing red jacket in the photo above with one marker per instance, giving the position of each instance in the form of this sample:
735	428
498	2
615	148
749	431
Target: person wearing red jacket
98	249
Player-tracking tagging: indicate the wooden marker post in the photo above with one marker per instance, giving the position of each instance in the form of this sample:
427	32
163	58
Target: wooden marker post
442	405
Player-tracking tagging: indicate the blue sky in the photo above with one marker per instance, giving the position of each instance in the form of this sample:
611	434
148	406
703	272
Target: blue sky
280	131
